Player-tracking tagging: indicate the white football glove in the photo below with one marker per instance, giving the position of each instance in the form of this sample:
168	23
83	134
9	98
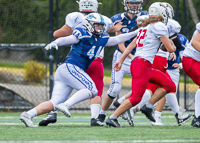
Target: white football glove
52	44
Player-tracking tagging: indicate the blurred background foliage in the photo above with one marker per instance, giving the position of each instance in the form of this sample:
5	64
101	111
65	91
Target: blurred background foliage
27	21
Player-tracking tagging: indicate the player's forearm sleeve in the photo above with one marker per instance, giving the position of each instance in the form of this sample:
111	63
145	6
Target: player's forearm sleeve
66	40
121	38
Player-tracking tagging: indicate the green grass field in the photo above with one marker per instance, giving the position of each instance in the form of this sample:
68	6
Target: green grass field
78	129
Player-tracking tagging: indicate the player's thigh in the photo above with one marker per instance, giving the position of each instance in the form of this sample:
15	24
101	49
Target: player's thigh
61	93
175	75
76	78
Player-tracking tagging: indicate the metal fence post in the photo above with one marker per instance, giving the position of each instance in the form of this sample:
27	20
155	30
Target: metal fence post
51	51
185	33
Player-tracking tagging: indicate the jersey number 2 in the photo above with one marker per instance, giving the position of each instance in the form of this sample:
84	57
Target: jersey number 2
141	35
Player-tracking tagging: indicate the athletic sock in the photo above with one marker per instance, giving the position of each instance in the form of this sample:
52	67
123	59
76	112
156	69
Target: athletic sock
32	112
172	101
103	112
197	103
79	96
95	109
120	100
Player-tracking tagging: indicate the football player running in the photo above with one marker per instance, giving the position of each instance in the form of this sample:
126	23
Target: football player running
152	32
133	10
95	71
191	66
160	63
87	43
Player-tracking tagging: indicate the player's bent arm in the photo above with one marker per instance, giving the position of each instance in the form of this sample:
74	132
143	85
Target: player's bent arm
63	31
196	41
120	38
168	45
115	28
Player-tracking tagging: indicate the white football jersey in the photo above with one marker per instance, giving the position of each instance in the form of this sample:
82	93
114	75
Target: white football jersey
148	40
76	19
173	28
190	51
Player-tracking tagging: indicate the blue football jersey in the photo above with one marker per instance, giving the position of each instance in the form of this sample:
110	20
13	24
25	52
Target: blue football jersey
84	52
184	42
130	23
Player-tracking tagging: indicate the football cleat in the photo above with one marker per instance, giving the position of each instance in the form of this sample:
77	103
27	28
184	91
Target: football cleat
157	123
148	112
112	122
134	110
196	122
129	119
101	117
117	104
96	122
50	118
27	120
182	117
62	108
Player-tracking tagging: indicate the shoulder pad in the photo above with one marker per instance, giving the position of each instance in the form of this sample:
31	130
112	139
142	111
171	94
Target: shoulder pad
116	18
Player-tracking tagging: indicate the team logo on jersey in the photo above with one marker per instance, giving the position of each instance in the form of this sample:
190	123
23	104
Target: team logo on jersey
125	30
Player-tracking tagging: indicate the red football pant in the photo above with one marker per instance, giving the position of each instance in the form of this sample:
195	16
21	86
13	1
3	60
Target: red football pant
142	73
192	68
96	72
159	63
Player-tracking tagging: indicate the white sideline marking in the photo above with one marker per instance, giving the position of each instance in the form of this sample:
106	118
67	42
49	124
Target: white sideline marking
132	141
83	117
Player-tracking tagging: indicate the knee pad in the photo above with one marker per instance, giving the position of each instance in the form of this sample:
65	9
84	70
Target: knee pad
114	89
170	87
111	96
135	99
94	93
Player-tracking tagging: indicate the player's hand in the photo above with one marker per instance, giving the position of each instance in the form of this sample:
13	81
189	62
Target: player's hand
119	26
117	66
52	44
172	56
176	65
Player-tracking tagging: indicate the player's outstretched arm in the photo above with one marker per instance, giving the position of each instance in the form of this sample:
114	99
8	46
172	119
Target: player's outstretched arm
121	38
62	41
196	41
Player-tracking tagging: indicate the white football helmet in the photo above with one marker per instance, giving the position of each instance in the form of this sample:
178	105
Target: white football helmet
170	9
91	19
88	5
136	10
157	9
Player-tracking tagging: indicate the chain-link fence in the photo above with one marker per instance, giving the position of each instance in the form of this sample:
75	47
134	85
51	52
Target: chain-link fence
23	75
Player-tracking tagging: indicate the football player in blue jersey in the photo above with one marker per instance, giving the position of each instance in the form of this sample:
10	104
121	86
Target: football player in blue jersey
133	10
95	71
87	42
